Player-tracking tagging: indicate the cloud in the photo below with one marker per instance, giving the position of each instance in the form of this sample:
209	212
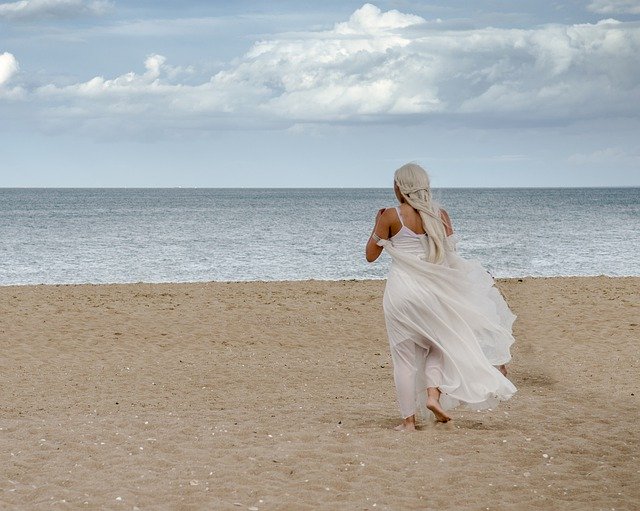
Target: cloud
615	6
606	158
369	19
37	9
376	67
8	67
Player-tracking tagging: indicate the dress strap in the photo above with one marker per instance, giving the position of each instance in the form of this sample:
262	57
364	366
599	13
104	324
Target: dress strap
399	215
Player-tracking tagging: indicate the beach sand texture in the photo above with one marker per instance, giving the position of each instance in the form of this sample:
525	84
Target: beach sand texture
280	396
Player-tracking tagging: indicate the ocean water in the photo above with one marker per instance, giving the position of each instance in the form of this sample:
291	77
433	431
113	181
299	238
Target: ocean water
180	235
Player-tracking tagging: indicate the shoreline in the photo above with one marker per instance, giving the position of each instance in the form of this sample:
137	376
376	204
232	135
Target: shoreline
301	281
280	395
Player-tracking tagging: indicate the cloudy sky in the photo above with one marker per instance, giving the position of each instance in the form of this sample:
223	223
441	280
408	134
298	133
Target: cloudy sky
329	93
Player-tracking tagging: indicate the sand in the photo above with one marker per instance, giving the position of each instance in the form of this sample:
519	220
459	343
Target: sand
280	396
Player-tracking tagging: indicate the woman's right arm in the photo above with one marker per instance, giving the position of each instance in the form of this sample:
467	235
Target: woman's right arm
380	231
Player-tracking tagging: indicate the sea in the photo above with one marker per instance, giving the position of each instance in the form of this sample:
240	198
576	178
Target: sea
73	236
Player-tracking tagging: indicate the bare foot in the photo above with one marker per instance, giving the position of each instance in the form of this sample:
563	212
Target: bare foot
405	427
503	369
408	424
434	405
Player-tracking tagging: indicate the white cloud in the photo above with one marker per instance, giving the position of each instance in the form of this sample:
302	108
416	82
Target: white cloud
36	9
606	157
8	67
382	67
615	6
369	19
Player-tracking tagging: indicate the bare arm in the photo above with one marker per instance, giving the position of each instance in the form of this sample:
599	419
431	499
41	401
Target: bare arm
448	228
381	229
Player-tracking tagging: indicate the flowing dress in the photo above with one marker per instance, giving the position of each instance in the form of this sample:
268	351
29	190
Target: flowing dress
447	326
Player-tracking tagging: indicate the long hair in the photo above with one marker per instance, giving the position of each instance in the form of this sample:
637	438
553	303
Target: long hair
413	182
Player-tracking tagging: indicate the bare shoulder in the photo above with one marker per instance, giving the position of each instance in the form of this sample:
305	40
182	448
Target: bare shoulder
389	216
447	221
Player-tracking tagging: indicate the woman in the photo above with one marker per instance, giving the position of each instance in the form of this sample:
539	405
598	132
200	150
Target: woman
446	322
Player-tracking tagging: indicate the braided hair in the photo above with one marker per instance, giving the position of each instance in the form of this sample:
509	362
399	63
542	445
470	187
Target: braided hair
413	182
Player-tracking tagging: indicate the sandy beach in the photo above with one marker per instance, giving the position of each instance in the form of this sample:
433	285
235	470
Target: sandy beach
280	396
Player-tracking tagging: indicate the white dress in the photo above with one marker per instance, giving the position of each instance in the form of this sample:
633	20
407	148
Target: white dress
447	326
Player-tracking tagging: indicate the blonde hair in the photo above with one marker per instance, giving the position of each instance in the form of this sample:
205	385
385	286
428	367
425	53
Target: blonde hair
413	182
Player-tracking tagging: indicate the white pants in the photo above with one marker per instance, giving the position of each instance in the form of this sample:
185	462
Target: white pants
417	364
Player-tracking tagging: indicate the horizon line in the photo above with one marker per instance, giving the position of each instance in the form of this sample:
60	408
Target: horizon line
304	187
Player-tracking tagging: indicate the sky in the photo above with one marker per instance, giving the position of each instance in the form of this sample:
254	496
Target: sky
295	93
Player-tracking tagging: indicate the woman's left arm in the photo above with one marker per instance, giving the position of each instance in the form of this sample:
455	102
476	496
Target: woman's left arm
380	231
448	228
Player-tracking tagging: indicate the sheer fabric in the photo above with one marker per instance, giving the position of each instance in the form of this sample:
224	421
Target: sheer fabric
447	326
